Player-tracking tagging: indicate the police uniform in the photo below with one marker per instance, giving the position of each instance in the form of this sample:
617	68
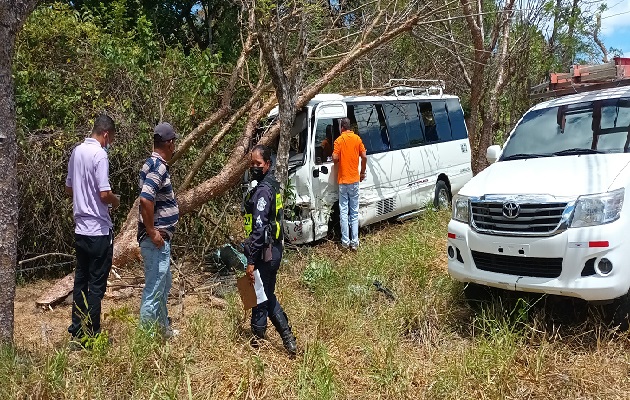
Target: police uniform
263	249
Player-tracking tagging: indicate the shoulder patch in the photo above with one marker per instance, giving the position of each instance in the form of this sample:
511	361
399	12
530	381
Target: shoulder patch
261	204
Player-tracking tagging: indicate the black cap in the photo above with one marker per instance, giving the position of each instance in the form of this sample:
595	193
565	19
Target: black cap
164	131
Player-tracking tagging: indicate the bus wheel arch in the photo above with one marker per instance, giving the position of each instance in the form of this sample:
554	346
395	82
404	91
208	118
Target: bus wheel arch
443	195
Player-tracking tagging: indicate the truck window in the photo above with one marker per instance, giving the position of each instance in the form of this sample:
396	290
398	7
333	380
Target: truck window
602	125
456	118
370	126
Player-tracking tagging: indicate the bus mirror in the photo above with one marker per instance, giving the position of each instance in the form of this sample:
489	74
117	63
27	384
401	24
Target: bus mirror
316	173
324	169
493	153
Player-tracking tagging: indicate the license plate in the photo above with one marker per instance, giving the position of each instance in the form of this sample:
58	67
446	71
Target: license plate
511	249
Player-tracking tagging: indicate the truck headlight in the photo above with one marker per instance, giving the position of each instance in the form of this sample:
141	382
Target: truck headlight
597	209
461	209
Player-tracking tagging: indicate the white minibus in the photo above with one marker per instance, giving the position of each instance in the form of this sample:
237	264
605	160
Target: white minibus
417	149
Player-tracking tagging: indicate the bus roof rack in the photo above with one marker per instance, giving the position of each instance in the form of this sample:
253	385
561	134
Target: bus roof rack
414	87
584	78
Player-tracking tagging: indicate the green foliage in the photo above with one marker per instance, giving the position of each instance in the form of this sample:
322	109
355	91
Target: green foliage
318	274
71	66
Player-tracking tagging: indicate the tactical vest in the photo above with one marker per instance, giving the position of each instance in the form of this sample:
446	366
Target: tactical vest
275	213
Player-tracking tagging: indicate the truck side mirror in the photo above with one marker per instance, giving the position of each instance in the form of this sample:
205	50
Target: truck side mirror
324	169
493	153
316	173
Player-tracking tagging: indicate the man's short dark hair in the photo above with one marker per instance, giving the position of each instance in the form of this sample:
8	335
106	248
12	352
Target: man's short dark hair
102	124
345	124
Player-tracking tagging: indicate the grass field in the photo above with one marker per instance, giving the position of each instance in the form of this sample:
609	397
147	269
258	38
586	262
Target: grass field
354	341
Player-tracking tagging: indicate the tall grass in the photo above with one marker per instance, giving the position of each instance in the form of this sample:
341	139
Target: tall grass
354	341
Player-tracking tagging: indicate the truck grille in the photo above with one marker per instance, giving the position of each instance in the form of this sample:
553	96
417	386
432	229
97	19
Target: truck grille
520	266
533	219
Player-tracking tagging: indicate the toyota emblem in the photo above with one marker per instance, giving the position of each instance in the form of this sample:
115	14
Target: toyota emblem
511	210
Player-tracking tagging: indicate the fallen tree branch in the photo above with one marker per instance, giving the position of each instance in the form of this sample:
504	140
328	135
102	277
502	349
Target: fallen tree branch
44	256
207	151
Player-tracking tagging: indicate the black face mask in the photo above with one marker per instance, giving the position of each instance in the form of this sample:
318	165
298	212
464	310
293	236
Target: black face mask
256	174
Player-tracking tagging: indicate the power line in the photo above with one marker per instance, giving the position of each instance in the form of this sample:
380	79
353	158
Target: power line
615	15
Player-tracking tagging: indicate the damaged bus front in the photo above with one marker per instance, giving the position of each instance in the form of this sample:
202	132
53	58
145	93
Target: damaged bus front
312	178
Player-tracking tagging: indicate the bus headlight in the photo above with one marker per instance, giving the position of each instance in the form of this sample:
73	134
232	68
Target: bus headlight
597	209
461	209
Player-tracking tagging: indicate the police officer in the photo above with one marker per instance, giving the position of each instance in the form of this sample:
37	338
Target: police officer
263	246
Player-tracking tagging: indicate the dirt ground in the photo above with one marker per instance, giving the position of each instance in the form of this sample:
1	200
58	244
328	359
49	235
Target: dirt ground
37	327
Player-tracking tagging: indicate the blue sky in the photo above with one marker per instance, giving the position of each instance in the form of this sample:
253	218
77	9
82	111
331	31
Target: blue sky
616	25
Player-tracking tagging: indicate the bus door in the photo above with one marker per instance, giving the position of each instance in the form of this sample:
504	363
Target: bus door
325	129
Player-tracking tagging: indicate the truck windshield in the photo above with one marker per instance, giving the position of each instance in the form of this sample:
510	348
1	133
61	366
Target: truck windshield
600	126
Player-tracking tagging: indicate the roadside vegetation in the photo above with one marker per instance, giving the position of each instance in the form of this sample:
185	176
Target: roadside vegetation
355	341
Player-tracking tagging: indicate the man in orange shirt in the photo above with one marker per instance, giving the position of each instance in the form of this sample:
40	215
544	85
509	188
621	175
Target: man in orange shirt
347	149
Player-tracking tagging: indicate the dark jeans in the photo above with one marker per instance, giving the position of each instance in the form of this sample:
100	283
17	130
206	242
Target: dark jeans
268	274
94	261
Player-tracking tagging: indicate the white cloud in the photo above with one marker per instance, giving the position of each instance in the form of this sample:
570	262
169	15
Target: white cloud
616	18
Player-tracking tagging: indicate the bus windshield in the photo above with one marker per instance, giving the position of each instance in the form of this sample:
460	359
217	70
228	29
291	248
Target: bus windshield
601	126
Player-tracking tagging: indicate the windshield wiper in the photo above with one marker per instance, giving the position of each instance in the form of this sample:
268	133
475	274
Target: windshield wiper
576	151
523	156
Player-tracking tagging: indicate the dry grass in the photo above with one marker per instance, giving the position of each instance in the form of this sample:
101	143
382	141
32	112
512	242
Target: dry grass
355	343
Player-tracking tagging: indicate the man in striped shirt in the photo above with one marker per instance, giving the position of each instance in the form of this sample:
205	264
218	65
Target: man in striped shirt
156	225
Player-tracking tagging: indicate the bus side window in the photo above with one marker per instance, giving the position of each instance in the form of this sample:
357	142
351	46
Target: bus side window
414	126
430	130
441	121
456	117
397	127
367	120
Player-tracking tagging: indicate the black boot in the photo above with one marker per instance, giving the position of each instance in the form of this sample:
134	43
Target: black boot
281	323
259	335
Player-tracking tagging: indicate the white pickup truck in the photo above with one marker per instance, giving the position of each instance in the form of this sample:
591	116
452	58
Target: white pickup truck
548	215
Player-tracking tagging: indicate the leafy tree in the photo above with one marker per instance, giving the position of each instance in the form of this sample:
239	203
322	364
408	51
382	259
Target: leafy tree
202	24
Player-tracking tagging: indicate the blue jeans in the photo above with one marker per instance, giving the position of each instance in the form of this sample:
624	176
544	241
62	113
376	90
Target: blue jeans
349	213
158	280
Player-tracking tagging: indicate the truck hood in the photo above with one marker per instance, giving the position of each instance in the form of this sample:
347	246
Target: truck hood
561	176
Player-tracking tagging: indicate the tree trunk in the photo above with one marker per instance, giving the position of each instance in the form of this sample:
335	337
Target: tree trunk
551	47
482	56
490	123
569	51
12	16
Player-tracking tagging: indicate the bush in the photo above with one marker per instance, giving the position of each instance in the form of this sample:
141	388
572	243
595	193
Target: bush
68	69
